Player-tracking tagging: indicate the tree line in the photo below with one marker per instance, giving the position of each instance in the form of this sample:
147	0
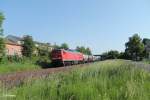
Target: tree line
136	49
28	46
2	43
82	49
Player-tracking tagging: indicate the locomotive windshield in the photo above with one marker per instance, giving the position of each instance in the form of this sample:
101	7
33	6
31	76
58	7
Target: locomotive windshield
56	54
56	50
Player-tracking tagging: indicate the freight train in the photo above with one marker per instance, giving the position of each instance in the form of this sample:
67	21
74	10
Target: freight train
69	57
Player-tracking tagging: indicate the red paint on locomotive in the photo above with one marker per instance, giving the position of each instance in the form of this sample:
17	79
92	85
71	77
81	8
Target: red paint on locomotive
62	56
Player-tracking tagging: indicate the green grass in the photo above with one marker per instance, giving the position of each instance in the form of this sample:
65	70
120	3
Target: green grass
15	67
24	65
147	61
10	67
107	80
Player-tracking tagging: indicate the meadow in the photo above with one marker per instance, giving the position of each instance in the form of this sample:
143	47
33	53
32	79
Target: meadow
106	80
16	67
24	64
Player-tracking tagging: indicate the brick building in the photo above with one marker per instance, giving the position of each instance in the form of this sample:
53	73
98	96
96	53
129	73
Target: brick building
13	49
14	46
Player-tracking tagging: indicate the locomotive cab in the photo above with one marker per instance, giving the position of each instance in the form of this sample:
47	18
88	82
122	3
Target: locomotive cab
66	57
57	57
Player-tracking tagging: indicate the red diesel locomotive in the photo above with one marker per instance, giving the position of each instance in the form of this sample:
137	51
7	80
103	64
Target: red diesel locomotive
66	57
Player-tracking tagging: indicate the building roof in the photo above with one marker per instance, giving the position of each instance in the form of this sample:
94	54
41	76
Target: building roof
12	43
13	39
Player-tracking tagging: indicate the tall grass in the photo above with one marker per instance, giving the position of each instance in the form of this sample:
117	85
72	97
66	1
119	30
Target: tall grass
15	67
25	64
108	80
147	61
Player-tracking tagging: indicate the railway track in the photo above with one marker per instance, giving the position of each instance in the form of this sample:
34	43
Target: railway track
17	78
142	65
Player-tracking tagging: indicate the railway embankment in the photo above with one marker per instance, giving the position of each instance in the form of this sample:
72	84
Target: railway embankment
111	79
17	78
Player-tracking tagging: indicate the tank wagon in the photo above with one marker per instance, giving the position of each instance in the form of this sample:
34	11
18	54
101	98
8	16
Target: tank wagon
69	57
97	57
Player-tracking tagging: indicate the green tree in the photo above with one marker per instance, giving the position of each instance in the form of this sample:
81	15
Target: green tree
81	49
146	43
2	18
104	55
84	50
2	42
64	46
123	55
56	46
112	54
28	46
134	47
88	51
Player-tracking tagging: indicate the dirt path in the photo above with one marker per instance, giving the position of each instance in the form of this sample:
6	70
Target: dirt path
141	65
14	79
